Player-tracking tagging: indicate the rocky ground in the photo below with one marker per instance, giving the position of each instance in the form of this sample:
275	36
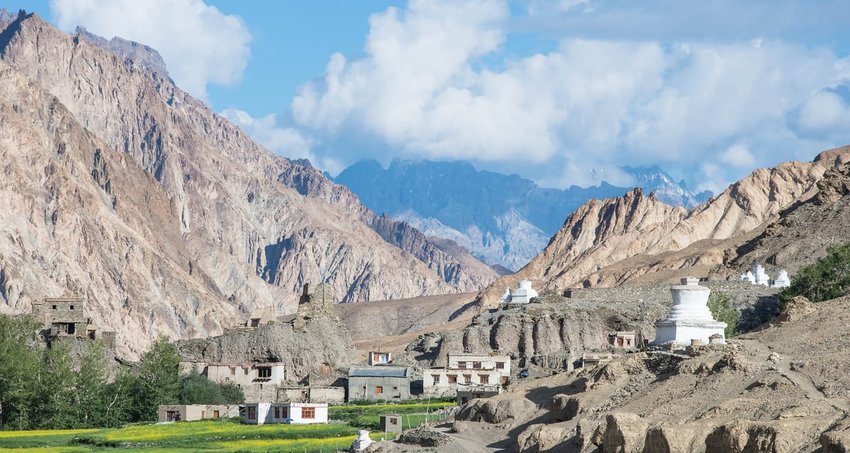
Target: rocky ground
782	388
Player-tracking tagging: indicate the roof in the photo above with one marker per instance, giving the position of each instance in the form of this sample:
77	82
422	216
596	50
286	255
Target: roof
378	371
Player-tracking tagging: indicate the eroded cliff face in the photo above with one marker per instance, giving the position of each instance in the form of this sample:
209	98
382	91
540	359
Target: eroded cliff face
209	225
619	240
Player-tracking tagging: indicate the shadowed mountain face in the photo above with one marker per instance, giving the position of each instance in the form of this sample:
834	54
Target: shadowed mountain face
503	219
122	188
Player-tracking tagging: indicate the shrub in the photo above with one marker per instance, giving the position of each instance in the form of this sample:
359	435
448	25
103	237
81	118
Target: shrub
825	279
722	310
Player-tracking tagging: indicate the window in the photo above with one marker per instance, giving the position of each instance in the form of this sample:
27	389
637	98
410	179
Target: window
172	416
72	328
252	413
264	372
461	364
393	420
216	414
308	413
500	365
436	378
484	378
467	378
72	307
379	389
452	378
476	365
277	412
54	307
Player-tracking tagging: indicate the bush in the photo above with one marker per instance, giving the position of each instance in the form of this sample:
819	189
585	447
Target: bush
722	310
825	279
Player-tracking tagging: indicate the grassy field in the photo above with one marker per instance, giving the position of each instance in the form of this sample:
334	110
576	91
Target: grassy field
228	436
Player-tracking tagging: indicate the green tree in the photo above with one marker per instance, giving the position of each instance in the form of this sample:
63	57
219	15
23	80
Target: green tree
19	363
157	380
722	310
52	399
197	389
90	388
825	279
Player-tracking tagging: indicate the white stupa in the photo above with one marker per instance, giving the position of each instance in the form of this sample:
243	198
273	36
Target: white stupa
362	441
761	276
782	280
689	318
521	295
748	277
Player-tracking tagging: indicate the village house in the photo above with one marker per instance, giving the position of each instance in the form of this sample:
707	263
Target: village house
194	412
378	383
391	423
258	381
483	373
65	317
379	358
289	413
311	394
623	340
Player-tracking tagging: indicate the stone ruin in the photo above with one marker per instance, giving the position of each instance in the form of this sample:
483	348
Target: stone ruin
65	317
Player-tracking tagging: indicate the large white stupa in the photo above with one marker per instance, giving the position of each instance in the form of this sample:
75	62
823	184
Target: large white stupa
690	318
521	295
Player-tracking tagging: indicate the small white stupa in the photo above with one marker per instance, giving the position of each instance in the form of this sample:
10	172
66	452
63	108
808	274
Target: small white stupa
748	277
782	280
521	295
362	442
761	276
689	318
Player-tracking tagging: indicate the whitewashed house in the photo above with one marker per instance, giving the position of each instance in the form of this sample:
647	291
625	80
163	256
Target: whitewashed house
289	413
480	373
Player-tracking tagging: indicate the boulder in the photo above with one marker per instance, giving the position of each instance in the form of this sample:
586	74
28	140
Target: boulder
624	433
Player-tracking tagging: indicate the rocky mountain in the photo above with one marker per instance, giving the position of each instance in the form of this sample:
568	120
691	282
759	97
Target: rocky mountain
121	187
503	219
636	237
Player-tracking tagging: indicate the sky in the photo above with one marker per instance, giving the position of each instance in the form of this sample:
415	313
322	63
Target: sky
563	92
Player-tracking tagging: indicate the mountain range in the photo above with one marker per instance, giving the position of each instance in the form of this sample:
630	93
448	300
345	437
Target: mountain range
120	187
505	220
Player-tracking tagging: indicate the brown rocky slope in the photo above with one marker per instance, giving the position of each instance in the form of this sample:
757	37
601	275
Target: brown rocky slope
193	224
638	238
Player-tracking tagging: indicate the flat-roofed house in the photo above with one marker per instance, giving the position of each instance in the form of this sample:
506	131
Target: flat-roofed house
194	412
289	413
482	373
378	383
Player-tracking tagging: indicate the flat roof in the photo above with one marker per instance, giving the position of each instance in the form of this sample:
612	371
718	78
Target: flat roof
378	371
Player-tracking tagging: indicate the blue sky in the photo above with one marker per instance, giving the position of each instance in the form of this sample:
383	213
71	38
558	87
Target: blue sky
548	89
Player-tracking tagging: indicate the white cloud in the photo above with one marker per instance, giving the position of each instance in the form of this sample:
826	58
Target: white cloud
199	43
436	82
287	142
825	112
739	156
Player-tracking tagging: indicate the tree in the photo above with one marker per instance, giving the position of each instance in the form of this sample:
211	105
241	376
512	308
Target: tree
721	310
19	362
197	389
52	399
158	381
90	388
825	279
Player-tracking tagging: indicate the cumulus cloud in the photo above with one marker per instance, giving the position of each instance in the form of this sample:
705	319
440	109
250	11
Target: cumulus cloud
199	43
738	155
825	112
436	82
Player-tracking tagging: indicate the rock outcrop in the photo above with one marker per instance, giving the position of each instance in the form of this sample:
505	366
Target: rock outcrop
124	189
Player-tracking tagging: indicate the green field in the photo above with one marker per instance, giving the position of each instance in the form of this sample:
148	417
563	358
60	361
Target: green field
227	436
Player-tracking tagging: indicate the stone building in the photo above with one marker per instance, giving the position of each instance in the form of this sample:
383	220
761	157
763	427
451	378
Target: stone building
194	412
311	394
475	372
258	381
623	340
65	317
378	383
